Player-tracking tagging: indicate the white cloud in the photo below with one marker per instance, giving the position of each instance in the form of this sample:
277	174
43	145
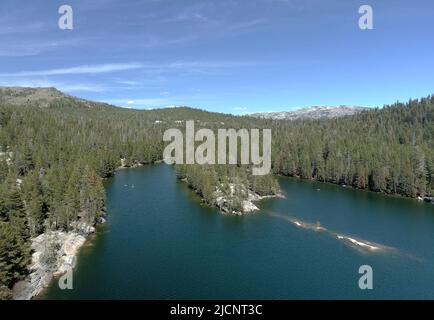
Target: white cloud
128	82
139	103
22	28
149	68
81	87
87	69
21	47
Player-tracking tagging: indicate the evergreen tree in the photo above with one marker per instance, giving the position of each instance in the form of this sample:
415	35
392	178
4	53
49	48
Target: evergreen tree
36	206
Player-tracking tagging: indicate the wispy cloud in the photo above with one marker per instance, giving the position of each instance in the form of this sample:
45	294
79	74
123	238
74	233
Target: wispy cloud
14	51
26	47
87	69
241	27
129	82
139	103
82	87
297	5
140	81
95	69
189	17
195	67
185	66
7	29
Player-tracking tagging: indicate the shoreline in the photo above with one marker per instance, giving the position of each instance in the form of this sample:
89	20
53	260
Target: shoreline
65	247
425	199
54	253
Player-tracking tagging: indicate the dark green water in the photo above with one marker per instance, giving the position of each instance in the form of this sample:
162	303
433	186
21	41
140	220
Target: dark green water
161	243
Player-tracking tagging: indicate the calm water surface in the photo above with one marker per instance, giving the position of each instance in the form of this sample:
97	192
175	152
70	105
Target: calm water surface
161	243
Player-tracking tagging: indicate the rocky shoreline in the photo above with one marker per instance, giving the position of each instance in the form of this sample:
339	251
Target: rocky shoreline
54	253
248	205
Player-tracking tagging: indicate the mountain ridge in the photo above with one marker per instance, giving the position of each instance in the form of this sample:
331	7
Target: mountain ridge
49	96
315	112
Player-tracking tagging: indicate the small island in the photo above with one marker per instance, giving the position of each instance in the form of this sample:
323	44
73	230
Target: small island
232	189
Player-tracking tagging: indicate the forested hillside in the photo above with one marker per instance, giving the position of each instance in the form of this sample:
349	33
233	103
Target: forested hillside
55	150
387	150
52	162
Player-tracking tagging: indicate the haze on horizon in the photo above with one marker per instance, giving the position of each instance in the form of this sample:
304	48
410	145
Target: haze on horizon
228	56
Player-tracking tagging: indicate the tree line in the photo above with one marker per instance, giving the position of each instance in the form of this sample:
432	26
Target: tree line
389	150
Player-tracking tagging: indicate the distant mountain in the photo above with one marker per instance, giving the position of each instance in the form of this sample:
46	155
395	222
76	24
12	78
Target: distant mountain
170	116
317	112
43	97
19	95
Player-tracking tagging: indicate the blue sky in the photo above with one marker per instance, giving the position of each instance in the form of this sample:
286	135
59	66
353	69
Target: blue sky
235	56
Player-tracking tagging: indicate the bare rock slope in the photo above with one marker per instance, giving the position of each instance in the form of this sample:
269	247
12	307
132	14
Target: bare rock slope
312	113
